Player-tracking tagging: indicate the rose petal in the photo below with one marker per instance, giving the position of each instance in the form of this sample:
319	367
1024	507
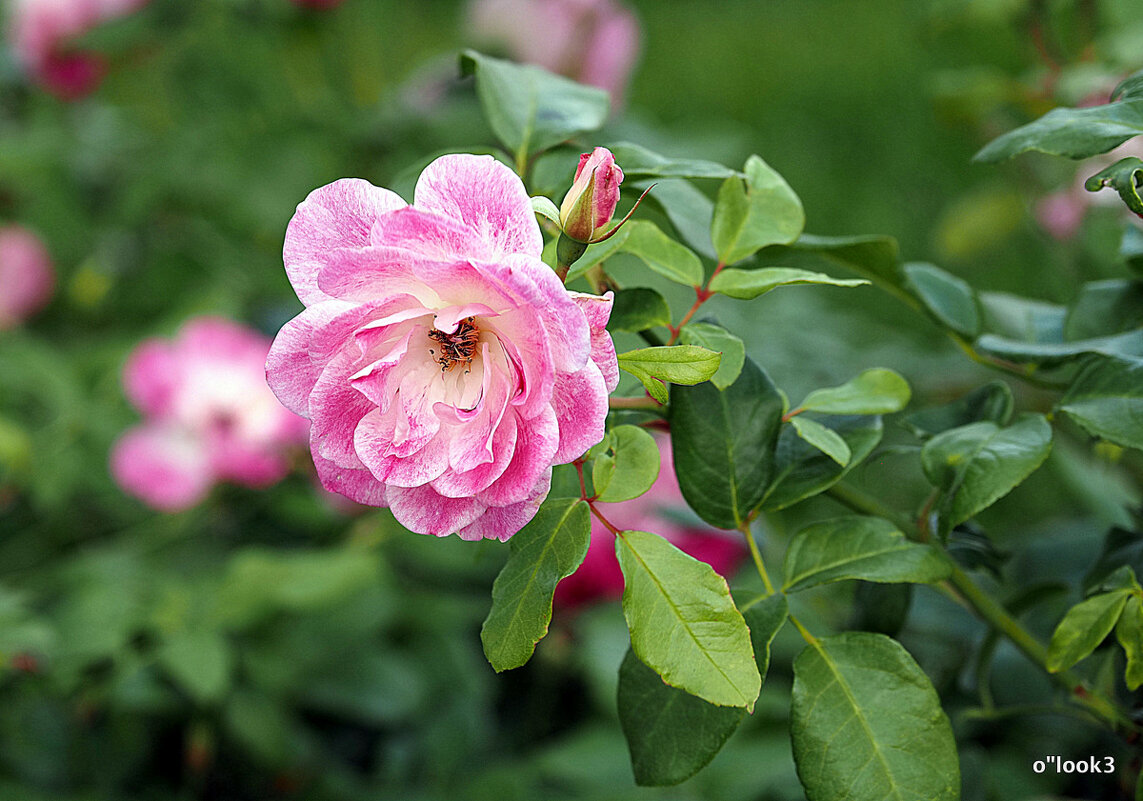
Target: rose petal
151	377
536	443
580	403
165	466
425	511
356	484
501	522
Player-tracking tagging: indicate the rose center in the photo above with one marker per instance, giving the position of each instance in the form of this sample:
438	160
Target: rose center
457	347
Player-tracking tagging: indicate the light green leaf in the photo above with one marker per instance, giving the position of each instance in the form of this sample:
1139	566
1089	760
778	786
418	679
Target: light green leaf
824	439
530	109
867	724
546	550
801	470
545	207
976	465
866	548
638	309
753	213
639	162
199	662
718	339
662	254
1106	399
949	299
1129	633
749	284
1083	628
678	364
874	391
671	734
683	622
723	442
627	466
1076	133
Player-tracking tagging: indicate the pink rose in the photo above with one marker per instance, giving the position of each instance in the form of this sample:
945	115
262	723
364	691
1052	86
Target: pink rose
209	416
41	32
660	510
594	194
591	41
442	364
26	275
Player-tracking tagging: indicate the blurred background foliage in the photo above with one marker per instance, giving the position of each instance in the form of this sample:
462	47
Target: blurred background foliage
273	645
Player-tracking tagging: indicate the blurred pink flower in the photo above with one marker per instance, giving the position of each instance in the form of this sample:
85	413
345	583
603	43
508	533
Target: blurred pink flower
594	194
41	31
444	366
26	276
209	416
591	41
661	510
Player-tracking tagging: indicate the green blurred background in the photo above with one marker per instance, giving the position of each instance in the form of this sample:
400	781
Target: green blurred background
266	645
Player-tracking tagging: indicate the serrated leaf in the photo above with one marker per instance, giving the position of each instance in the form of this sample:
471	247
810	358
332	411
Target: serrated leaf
723	443
867	724
824	439
753	213
546	550
976	465
949	299
718	339
530	109
627	466
1106	399
1083	628
991	402
677	364
866	548
639	162
874	391
663	255
683	622
671	734
1076	133
749	284
1124	177
803	471
638	309
1129	633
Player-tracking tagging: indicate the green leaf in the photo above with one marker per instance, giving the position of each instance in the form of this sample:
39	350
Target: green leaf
662	254
824	439
874	257
683	622
1076	133
949	299
199	662
1131	248
1121	548
639	162
1124	177
530	109
638	309
1022	318
599	252
867	724
1083	628
1054	354
723	442
866	548
628	465
976	465
545	207
765	618
671	734
874	391
1105	308
753	213
688	209
718	339
749	284
546	550
1106	399
678	364
991	402
803	471
1129	633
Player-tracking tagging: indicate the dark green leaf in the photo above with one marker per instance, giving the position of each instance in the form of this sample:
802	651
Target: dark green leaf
866	548
671	734
1106	399
1077	133
683	622
803	471
880	608
638	309
718	339
753	213
677	364
724	444
639	162
1121	547
874	391
1083	628
949	299
530	109
1124	177
765	618
867	724
989	403
1105	308
1053	354
546	550
976	465
627	466
1131	248
824	439
874	257
749	284
1129	633
1129	88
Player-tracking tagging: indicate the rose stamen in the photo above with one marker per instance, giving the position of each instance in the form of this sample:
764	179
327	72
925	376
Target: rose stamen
457	347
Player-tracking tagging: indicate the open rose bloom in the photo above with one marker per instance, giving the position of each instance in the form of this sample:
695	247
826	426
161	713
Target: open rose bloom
209	416
444	367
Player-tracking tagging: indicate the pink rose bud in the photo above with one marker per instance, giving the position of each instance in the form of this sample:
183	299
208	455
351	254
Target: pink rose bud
26	275
591	201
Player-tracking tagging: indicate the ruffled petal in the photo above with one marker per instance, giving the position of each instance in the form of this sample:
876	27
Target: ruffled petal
165	466
580	403
456	484
536	443
291	370
597	310
336	408
357	484
501	522
425	511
